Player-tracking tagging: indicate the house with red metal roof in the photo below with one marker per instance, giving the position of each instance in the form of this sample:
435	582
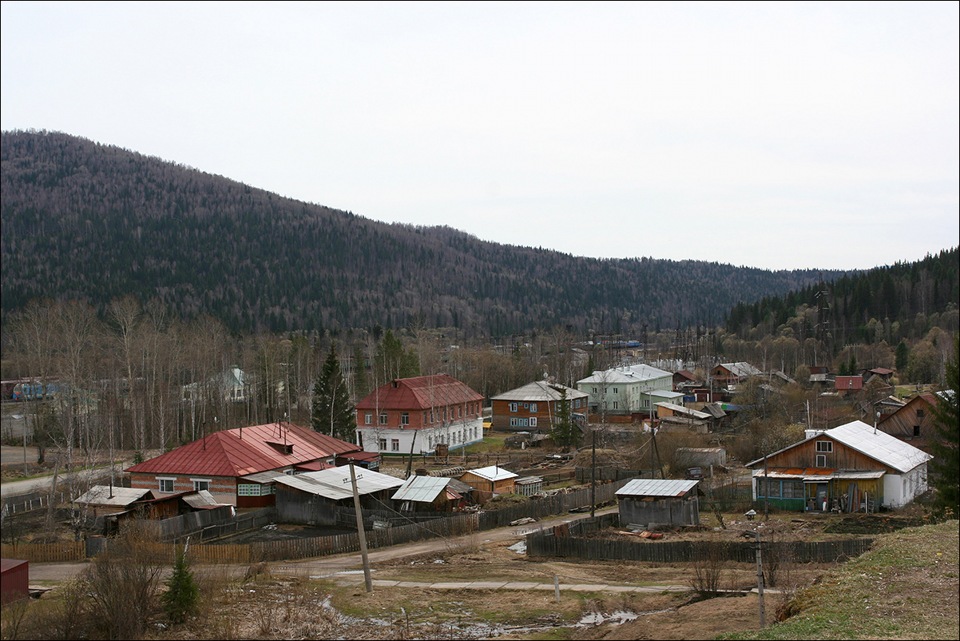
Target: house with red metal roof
417	414
238	466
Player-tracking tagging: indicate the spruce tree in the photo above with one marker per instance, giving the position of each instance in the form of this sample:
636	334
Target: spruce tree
564	432
182	597
945	466
332	410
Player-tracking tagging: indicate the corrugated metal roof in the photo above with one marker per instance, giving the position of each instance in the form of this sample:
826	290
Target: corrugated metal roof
335	483
680	409
420	393
656	487
539	391
101	495
246	450
201	499
629	374
879	445
423	489
492	473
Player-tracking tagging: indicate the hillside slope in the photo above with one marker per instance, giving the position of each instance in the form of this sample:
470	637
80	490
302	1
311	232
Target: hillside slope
82	220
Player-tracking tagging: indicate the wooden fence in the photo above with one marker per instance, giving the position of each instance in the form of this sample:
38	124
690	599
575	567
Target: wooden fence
451	526
37	501
550	544
45	552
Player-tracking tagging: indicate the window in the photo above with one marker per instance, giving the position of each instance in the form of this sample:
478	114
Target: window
368	418
201	484
920	414
394	445
533	421
165	485
615	405
614	390
594	390
825	446
916	430
405	418
383	418
513	407
248	489
821	460
533	407
383	444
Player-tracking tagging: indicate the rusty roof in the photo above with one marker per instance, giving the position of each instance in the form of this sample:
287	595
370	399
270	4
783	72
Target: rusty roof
246	450
420	393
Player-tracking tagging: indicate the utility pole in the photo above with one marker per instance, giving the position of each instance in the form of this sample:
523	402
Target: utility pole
363	537
593	474
763	622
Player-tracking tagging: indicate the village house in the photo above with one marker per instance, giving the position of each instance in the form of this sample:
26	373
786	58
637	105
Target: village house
729	375
850	468
627	392
238	466
649	503
913	422
313	497
414	415
848	385
535	406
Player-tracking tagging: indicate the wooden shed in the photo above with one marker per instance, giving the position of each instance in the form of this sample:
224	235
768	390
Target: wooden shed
653	502
14	580
490	481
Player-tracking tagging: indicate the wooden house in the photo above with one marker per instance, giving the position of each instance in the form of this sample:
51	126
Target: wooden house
535	407
659	502
913	422
313	497
850	468
729	375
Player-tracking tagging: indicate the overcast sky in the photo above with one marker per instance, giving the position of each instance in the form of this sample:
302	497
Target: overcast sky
780	136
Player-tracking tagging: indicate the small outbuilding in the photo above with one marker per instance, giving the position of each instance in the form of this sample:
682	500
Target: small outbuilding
490	481
428	494
653	502
14	580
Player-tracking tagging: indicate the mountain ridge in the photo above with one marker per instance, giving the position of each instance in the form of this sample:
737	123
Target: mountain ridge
96	222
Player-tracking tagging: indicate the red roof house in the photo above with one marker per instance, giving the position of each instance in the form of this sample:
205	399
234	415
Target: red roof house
848	384
237	466
417	414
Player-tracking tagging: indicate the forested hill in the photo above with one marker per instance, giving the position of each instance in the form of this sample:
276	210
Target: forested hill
83	220
900	301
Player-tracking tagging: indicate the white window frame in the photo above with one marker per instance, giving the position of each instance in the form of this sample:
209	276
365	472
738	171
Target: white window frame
405	418
394	445
533	421
825	447
163	479
820	460
368	418
196	482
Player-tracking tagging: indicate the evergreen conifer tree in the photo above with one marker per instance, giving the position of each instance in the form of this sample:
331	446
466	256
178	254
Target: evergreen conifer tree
564	432
945	466
182	597
332	410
